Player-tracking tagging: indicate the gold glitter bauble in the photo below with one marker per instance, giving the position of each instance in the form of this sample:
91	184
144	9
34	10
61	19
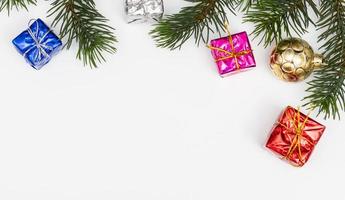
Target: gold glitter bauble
294	60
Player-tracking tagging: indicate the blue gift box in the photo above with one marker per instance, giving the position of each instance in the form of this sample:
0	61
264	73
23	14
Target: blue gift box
38	44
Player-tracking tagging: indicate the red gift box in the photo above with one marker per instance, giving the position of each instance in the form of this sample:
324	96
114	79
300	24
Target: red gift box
294	136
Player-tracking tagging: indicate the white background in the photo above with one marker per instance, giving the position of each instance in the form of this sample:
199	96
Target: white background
150	124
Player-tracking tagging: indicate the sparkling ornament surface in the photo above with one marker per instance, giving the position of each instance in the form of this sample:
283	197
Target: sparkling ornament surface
284	139
294	60
144	10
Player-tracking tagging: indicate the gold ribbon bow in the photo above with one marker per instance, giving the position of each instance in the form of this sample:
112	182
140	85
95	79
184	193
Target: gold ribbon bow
232	53
298	127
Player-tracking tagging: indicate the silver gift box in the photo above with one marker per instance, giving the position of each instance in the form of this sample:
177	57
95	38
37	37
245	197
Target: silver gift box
144	10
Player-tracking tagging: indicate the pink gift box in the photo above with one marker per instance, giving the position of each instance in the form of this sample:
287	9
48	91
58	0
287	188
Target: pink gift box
232	53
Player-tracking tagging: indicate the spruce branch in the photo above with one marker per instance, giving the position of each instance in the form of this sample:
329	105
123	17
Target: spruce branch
275	19
198	20
80	22
327	90
246	4
17	4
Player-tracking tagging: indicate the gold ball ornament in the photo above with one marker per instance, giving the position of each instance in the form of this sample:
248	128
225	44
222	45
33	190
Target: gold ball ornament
294	60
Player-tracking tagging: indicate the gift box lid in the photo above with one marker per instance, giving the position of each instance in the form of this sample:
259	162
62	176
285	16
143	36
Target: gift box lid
38	37
283	138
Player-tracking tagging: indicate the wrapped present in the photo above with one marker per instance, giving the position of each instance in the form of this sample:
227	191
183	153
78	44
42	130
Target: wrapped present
144	10
295	136
232	53
38	44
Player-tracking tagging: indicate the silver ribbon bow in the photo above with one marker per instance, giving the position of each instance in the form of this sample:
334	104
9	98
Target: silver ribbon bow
41	47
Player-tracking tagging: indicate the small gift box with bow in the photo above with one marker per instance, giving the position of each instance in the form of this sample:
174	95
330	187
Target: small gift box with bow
144	10
232	53
38	44
294	136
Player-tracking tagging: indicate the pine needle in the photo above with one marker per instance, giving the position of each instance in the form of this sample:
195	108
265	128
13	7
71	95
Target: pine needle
276	19
327	90
198	21
17	4
80	22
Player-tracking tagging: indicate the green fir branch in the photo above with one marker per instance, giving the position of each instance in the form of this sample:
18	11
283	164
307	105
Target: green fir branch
246	4
327	90
80	22
198	20
276	19
17	4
